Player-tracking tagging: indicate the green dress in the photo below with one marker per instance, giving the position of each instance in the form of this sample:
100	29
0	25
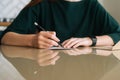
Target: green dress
69	19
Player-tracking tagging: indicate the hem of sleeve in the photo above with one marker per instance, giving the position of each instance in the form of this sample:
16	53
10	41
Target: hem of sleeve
115	37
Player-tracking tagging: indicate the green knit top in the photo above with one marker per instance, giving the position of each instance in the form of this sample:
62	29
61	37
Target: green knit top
68	19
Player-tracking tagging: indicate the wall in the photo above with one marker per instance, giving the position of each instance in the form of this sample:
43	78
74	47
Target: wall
113	7
10	8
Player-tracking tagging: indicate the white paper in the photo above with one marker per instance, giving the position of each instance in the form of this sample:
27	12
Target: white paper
59	48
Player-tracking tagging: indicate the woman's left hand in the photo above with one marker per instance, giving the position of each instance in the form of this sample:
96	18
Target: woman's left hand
76	42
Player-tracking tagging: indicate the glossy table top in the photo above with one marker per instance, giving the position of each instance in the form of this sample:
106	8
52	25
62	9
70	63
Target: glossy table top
84	63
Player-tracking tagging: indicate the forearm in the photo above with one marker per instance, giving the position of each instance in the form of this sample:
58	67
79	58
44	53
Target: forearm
87	41
12	38
104	41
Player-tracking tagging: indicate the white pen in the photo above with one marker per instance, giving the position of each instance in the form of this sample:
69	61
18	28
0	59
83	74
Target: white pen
39	27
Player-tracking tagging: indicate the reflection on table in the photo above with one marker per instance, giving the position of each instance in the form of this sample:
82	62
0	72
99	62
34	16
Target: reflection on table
83	63
8	71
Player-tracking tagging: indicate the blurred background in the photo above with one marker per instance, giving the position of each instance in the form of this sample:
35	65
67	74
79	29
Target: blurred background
9	9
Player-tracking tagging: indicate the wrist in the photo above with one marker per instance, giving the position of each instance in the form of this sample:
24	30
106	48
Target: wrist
32	40
94	40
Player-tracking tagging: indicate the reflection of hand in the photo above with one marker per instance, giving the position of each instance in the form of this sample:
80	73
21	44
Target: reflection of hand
18	52
79	51
47	57
103	52
76	42
45	39
43	56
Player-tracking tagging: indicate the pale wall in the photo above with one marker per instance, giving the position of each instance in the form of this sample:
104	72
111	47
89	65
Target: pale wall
113	7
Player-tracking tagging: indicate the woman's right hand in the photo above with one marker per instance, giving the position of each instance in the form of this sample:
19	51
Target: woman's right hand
45	39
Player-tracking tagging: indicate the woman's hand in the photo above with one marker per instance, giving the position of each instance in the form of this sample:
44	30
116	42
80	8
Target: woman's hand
45	39
76	42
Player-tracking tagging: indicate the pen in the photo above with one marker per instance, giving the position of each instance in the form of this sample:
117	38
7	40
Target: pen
41	28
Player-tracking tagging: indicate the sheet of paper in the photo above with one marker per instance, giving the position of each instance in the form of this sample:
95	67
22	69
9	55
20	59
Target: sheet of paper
116	46
59	48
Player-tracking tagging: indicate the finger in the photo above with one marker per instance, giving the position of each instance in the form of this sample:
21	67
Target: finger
64	42
50	35
67	42
54	37
72	52
45	41
69	52
53	60
47	57
45	52
72	42
70	45
50	62
78	44
46	46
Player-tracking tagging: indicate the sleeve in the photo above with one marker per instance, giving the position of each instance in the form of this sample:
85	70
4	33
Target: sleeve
24	22
105	23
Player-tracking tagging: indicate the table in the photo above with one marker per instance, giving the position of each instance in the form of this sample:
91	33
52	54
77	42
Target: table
83	63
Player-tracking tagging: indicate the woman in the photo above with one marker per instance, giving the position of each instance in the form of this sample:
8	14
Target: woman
74	23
